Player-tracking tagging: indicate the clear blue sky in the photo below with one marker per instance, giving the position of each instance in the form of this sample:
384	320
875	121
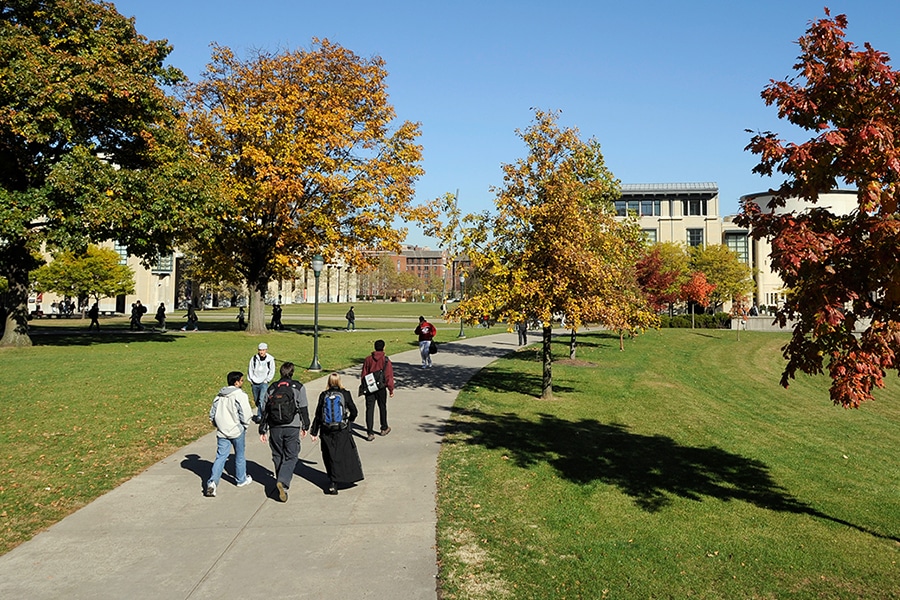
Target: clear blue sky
668	89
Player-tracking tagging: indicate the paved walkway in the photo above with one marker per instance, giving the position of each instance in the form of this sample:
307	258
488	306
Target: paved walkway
157	537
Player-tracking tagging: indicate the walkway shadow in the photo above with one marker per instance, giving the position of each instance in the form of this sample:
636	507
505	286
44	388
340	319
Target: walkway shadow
652	470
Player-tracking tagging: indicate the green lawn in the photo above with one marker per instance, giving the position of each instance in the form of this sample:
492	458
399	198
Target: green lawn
676	469
86	411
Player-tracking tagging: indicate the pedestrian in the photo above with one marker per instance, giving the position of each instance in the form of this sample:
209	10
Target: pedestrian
426	332
132	323
334	413
94	314
276	317
242	323
351	320
138	310
230	415
285	419
260	372
192	319
161	316
522	328
377	381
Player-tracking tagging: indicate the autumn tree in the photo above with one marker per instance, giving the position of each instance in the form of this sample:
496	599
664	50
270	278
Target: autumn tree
723	269
304	142
698	290
91	146
841	270
553	245
661	273
94	274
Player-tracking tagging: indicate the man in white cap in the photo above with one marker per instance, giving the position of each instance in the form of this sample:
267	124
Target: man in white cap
260	373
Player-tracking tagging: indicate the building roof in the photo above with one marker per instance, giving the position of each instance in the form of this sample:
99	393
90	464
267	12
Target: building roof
670	188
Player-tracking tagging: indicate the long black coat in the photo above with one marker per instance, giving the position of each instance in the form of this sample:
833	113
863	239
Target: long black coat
339	451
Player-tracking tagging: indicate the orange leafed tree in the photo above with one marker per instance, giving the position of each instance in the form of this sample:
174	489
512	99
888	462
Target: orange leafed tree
311	158
841	270
697	289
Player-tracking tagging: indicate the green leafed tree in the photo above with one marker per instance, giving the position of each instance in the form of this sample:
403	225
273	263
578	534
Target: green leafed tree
95	274
554	246
91	146
312	159
724	270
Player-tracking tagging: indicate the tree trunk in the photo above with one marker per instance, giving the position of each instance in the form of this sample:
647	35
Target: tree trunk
256	317
572	346
621	340
20	262
692	317
547	381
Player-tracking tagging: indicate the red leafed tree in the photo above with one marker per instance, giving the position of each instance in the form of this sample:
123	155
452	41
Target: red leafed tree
842	270
657	281
697	289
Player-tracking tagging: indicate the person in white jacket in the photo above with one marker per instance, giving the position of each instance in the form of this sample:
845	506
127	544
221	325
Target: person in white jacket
230	414
260	372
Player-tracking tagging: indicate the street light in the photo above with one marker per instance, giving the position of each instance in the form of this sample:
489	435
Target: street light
462	294
317	263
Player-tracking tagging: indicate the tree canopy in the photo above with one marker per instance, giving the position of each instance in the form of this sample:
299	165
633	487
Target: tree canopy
96	274
91	146
841	271
729	277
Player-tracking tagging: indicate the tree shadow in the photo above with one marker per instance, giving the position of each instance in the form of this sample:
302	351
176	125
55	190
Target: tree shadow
650	469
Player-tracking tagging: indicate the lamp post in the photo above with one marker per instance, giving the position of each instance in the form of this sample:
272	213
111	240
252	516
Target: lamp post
317	263
462	294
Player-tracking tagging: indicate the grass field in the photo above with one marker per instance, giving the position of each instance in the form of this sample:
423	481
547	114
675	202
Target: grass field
676	469
86	411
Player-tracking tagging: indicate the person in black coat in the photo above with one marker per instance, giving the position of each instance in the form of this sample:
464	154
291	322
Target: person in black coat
339	451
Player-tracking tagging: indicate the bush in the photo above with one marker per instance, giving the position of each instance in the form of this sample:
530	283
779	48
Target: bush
703	321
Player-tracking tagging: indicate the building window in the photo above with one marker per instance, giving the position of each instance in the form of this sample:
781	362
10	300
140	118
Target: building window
642	208
650	236
122	251
694	237
737	243
694	207
163	264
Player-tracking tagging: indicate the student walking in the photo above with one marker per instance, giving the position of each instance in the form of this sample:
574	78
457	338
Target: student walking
94	314
377	382
426	332
192	319
260	372
230	415
351	320
285	419
161	317
334	413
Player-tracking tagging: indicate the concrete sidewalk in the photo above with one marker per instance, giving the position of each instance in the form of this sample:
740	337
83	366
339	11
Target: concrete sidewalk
156	536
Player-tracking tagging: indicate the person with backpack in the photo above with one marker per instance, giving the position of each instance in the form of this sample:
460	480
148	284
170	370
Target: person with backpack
260	372
426	332
285	419
351	320
377	381
334	413
230	415
161	317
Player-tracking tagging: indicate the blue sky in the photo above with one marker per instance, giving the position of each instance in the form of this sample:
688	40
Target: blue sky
668	89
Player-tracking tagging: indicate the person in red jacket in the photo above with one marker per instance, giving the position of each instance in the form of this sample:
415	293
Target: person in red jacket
426	332
380	366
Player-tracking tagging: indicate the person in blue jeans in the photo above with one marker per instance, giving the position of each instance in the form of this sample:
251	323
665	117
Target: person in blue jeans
230	414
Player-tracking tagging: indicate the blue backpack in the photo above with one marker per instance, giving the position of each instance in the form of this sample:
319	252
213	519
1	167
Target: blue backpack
333	413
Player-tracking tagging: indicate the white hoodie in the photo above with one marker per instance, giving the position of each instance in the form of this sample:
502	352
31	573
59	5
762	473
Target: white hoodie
230	412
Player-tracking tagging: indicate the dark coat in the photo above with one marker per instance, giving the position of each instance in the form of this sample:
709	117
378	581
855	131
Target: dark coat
339	451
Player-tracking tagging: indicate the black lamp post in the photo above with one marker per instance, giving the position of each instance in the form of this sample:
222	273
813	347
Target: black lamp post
462	293
317	263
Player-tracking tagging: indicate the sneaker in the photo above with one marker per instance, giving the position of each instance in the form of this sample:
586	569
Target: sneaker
246	481
254	418
370	437
210	490
282	492
331	491
385	431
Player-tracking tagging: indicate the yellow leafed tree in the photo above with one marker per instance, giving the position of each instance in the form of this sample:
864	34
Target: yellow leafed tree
311	160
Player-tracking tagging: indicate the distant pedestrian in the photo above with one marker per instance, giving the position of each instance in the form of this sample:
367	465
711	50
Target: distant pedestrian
351	320
285	419
334	413
137	312
242	323
260	372
426	332
377	381
94	314
522	329
276	317
161	316
192	319
230	415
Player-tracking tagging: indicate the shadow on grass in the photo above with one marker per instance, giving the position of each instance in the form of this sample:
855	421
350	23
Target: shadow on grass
649	469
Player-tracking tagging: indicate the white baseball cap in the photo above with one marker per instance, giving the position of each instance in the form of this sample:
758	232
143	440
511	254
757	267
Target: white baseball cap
263	346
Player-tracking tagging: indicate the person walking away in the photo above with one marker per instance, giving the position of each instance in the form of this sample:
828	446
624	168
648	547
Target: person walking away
192	319
242	322
276	317
161	317
260	372
426	332
334	413
230	415
141	311
522	329
351	320
94	314
377	388
285	419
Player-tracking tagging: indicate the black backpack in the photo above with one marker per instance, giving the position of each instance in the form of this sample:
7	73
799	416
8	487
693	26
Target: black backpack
280	405
333	413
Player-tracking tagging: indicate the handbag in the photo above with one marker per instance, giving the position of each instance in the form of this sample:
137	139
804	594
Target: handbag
432	349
